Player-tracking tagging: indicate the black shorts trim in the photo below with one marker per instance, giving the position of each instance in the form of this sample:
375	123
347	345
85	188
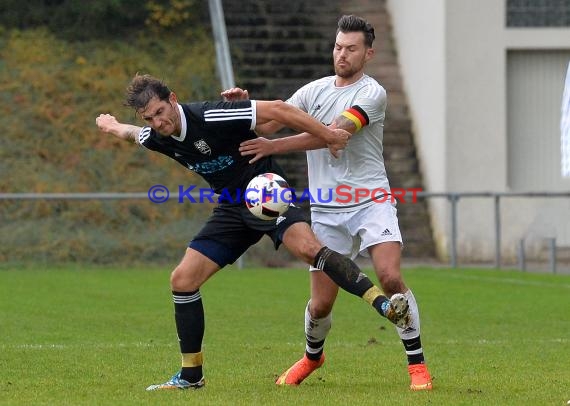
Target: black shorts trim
214	250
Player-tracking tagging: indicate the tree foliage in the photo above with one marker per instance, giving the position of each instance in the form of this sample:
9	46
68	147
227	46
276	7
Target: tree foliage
80	20
51	91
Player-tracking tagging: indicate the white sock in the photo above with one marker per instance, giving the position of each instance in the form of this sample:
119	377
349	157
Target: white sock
316	331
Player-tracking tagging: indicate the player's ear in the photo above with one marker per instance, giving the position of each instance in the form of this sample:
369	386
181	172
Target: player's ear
369	53
172	98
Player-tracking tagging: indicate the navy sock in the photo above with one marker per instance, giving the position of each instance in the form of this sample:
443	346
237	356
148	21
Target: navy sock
189	317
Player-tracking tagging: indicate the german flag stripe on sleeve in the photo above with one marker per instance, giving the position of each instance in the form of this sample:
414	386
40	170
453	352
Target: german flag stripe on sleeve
357	116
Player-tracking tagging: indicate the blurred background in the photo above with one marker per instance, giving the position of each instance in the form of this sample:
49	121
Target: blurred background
475	111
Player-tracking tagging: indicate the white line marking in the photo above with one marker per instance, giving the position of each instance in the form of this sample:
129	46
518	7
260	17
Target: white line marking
506	281
83	345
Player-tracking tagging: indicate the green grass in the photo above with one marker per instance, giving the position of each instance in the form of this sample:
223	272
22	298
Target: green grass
74	336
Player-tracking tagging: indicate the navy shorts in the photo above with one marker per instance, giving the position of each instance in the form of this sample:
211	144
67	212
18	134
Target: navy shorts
232	229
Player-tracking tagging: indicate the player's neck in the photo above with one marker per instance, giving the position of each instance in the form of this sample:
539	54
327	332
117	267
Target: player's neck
342	82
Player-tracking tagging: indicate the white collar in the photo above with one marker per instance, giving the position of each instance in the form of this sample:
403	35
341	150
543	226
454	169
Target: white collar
182	135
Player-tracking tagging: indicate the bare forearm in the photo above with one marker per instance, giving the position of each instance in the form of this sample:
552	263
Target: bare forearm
306	141
295	143
127	132
109	124
291	117
268	128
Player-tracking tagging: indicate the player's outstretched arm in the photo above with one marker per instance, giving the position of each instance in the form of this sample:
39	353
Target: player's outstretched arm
295	118
260	147
237	93
109	124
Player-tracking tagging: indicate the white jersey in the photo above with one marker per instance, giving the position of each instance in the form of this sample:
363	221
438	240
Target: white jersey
341	184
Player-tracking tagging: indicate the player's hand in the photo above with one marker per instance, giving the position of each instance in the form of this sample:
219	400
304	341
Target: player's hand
234	94
106	122
338	142
258	147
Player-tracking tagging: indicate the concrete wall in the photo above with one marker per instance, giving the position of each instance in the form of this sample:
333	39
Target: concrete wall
419	31
453	56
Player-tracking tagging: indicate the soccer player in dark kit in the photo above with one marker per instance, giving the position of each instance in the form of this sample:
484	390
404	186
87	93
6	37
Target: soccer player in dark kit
204	137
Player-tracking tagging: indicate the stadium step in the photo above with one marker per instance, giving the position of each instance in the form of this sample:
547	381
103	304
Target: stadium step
279	46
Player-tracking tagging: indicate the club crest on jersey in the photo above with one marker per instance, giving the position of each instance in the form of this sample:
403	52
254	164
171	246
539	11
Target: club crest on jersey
203	147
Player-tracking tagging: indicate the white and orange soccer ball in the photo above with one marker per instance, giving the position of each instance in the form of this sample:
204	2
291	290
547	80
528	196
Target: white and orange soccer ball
268	196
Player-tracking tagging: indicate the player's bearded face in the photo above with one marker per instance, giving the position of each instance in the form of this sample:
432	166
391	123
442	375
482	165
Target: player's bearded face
347	69
162	116
349	54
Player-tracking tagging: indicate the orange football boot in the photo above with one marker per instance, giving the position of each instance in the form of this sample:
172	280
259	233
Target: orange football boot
421	379
299	371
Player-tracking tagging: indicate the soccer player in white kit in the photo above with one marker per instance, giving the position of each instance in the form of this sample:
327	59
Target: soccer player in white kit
349	221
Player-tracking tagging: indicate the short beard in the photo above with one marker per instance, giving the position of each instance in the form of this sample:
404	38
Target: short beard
345	73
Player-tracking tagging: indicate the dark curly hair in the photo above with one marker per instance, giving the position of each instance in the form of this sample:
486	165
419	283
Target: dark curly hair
142	89
352	23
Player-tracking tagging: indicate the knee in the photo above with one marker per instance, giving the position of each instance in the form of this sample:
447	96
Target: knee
306	249
301	242
391	282
181	280
310	249
319	308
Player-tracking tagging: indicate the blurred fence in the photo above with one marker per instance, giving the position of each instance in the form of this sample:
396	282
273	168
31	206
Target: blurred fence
497	197
162	241
107	228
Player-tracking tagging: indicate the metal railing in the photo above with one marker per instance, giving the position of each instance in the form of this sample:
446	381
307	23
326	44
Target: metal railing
452	197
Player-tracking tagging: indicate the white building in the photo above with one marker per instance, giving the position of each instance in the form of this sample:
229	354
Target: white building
485	97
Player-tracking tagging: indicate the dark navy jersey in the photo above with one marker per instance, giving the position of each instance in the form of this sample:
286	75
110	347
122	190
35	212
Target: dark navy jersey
208	145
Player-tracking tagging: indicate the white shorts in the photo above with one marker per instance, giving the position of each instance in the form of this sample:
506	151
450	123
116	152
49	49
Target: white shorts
351	233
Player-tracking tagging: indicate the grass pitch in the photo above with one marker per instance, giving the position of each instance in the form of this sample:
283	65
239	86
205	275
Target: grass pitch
86	336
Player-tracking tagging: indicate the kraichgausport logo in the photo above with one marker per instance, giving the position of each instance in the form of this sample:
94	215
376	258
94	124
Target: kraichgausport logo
342	194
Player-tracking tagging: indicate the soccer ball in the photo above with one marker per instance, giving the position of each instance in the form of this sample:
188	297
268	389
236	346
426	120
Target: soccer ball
268	196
